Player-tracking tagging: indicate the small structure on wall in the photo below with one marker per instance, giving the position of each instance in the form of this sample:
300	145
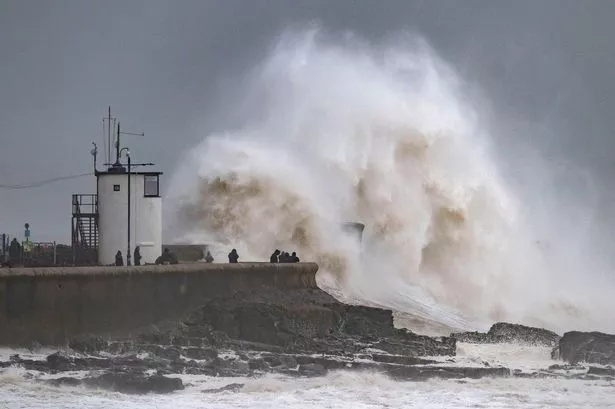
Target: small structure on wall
354	229
125	212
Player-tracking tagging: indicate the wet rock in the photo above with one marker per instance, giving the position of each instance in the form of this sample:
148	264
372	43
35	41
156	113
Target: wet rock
304	321
472	337
60	362
132	383
591	347
417	345
92	363
273	360
534	375
233	387
327	362
229	367
311	370
257	364
256	346
560	367
396	359
418	373
366	321
238	368
170	353
503	332
281	361
200	353
593	370
64	381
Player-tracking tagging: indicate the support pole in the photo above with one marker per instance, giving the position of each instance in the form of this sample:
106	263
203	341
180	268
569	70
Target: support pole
129	194
117	145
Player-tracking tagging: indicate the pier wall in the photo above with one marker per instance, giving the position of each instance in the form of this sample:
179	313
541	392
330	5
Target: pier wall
53	305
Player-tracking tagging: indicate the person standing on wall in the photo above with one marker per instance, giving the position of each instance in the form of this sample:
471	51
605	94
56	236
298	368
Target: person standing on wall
233	257
137	256
274	256
14	251
119	260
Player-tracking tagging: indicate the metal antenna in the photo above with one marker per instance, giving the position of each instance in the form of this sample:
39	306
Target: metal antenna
109	135
117	144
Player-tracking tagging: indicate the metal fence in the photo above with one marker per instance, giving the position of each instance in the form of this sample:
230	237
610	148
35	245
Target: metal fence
39	254
30	254
4	247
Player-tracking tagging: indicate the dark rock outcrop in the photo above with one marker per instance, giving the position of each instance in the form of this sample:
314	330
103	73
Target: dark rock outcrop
306	321
312	370
590	347
135	383
130	383
447	372
601	371
503	332
233	387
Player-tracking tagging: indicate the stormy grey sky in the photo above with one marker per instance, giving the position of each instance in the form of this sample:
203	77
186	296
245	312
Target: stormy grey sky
545	68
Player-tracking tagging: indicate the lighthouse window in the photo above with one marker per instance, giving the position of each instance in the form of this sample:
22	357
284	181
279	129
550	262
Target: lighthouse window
151	187
116	188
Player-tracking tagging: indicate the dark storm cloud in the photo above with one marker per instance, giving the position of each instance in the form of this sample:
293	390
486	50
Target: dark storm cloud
544	67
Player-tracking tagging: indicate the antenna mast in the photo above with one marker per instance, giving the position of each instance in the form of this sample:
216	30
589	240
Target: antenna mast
109	135
117	144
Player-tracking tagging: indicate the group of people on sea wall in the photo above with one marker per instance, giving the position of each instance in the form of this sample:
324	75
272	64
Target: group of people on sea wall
168	257
283	257
277	257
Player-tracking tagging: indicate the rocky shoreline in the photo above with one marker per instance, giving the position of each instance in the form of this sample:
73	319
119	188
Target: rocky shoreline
301	333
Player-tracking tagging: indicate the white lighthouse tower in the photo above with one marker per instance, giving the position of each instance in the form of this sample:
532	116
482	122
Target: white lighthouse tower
129	214
126	211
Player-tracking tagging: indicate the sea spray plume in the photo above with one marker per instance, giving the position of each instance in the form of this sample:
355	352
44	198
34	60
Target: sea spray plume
380	135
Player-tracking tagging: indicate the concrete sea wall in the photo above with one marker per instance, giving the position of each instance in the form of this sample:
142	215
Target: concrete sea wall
53	305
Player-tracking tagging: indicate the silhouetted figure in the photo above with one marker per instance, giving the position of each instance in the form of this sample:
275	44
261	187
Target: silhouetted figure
167	257
14	251
233	257
137	256
119	260
294	258
208	257
274	256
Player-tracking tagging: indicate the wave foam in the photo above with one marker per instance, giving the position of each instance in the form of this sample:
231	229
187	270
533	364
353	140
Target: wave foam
336	130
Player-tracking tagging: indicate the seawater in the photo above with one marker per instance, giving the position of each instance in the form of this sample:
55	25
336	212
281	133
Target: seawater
340	389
